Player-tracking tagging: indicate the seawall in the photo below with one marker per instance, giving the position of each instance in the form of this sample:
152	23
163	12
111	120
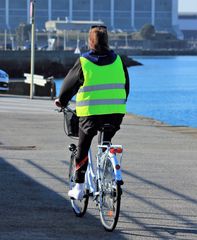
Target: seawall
57	63
47	63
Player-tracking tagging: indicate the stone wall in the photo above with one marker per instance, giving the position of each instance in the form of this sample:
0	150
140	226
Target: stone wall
47	63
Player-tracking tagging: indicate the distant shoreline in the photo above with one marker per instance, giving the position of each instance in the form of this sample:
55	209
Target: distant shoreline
157	52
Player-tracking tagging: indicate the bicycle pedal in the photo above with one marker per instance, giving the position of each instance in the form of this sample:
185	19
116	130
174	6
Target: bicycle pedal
72	147
91	194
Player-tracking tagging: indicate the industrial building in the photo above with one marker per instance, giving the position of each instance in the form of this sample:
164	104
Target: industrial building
125	15
188	25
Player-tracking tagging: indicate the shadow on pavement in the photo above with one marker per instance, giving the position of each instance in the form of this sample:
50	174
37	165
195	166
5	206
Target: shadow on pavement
29	210
188	222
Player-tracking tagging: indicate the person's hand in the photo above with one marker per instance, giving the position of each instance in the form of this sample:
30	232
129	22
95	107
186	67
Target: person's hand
57	103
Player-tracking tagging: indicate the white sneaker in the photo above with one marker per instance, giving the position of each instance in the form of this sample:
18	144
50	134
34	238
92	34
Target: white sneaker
77	192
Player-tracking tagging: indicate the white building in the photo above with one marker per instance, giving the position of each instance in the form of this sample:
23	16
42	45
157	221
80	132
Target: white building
188	25
127	15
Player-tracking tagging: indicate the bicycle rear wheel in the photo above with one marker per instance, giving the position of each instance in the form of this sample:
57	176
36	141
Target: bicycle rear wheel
79	206
111	198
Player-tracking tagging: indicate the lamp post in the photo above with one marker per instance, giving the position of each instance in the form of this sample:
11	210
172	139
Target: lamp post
5	40
32	21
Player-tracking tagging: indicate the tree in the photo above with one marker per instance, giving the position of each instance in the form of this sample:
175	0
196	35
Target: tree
147	31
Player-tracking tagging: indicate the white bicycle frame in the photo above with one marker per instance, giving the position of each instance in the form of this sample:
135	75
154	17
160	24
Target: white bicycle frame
92	178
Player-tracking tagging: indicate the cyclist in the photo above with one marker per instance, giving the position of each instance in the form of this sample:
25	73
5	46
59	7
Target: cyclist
101	81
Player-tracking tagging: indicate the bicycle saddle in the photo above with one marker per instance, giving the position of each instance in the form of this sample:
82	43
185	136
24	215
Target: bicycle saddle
107	127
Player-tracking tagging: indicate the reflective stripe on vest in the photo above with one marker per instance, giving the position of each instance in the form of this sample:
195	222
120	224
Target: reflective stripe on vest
100	102
103	90
101	87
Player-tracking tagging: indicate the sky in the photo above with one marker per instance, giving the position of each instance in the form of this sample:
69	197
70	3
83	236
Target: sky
188	6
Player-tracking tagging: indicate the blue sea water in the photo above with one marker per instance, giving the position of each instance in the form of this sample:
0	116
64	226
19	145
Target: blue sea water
164	88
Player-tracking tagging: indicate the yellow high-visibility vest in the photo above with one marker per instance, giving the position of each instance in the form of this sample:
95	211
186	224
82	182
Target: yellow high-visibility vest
103	90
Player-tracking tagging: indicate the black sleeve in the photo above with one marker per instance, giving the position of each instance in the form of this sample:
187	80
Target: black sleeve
127	84
71	83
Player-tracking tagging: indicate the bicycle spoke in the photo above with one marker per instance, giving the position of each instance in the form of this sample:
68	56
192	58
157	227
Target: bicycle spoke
110	206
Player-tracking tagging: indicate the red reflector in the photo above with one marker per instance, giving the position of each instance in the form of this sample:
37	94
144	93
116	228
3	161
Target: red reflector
116	150
119	150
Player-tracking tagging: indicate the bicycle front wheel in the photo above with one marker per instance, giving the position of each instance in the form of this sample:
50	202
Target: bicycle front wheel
110	198
79	206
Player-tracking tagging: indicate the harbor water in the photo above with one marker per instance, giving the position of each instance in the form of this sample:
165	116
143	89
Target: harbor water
164	88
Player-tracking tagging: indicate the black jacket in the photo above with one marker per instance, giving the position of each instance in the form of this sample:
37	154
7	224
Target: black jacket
75	79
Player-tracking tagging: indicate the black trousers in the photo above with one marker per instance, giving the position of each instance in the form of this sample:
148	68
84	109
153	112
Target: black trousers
88	128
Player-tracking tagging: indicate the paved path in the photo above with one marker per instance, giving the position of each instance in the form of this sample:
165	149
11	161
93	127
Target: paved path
160	173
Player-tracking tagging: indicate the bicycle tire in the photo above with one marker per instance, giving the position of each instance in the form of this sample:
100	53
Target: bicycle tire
111	198
79	206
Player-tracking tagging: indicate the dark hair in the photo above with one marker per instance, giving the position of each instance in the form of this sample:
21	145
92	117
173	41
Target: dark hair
98	26
98	38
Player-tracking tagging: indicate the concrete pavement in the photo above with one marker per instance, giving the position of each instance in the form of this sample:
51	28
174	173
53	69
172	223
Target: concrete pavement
159	168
